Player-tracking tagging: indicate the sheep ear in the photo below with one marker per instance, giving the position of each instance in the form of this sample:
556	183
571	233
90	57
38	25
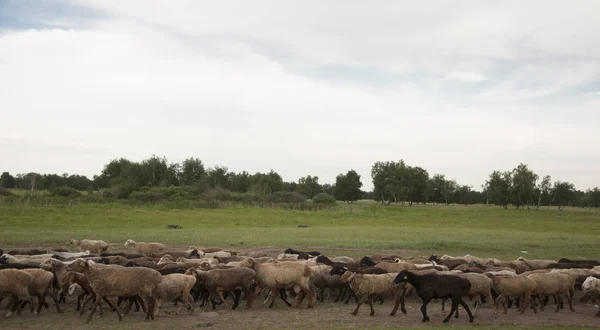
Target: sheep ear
406	277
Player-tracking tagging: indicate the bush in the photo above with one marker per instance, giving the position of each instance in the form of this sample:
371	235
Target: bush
65	191
286	197
147	196
5	192
121	191
323	198
216	194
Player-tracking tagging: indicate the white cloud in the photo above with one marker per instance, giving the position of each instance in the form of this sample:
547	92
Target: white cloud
226	83
465	76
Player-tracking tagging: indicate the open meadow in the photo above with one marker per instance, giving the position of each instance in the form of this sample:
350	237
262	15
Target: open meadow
355	230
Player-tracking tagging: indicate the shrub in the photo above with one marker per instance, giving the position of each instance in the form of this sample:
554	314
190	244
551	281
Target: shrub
147	196
65	191
286	197
216	194
5	192
122	191
323	198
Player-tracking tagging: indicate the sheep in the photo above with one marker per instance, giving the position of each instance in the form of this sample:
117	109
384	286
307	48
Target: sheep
69	279
287	257
536	264
277	276
94	246
9	259
41	286
232	280
224	260
17	283
580	261
107	280
204	254
594	293
450	263
293	251
513	286
146	249
395	267
554	283
206	249
430	286
369	285
590	282
343	259
175	286
480	285
68	255
518	266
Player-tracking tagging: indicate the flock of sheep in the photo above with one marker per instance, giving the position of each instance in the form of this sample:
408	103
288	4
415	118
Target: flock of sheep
153	276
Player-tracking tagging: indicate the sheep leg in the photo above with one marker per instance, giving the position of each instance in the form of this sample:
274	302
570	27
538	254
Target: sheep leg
424	309
370	301
283	295
220	294
151	307
249	294
94	306
443	312
52	295
360	302
466	307
558	297
455	302
490	300
570	301
500	299
237	294
598	313
340	295
398	299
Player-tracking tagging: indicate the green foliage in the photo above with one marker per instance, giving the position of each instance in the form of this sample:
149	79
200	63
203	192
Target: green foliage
65	191
323	198
287	197
7	180
523	185
5	192
563	193
216	194
499	186
309	186
347	187
192	171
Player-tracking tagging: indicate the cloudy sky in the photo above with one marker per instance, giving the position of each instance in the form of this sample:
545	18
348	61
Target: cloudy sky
303	87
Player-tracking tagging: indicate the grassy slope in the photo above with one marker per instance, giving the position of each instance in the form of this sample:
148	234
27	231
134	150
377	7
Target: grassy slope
476	230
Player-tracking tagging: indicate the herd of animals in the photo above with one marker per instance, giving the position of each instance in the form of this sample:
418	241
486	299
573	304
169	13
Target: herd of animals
153	276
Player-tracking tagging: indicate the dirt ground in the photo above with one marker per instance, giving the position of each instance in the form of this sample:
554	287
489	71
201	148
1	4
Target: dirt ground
324	315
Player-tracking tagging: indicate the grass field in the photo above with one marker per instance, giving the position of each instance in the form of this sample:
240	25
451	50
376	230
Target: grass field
457	230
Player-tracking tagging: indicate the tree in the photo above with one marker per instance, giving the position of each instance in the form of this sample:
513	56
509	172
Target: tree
448	190
217	177
392	181
266	183
7	180
523	185
418	185
563	193
192	171
33	177
499	187
435	187
592	198
543	189
309	186
347	187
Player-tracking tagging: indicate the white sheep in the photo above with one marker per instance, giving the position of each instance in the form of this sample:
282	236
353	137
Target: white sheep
554	283
146	249
220	254
284	275
537	263
589	283
69	255
175	286
93	246
367	286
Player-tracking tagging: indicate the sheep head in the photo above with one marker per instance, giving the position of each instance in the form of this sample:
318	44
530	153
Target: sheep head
402	277
48	264
70	241
129	242
248	262
347	277
78	265
3	259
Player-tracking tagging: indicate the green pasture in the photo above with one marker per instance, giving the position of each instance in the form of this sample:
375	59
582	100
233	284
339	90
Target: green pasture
457	230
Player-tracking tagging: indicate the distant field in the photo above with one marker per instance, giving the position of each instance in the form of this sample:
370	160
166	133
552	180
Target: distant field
457	230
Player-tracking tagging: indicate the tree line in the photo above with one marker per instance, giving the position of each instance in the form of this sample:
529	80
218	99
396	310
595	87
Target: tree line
393	181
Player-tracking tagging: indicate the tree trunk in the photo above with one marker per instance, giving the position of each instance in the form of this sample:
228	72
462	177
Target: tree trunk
410	203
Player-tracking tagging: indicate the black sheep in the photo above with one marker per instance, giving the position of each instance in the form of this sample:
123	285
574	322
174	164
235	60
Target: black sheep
430	286
293	251
580	261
